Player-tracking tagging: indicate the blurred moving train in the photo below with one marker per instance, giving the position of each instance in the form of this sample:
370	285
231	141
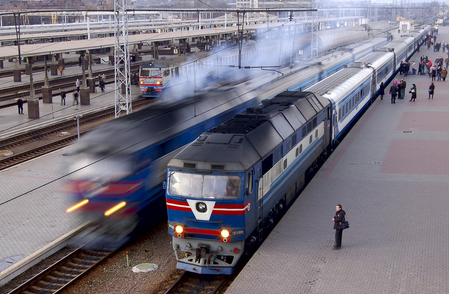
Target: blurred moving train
226	189
118	168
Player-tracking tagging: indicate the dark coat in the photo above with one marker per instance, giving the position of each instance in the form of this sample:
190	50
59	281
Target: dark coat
339	217
413	91
393	90
382	89
431	88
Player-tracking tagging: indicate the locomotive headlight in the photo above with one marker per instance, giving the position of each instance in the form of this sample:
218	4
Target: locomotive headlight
201	207
179	229
159	83
225	233
141	82
74	207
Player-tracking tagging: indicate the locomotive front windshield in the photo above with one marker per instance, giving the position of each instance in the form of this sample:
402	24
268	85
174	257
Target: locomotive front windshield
204	186
144	72
86	166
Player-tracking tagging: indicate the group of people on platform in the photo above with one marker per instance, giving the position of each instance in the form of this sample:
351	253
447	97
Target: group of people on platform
398	90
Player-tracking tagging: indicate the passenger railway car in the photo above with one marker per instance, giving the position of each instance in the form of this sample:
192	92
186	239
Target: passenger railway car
227	186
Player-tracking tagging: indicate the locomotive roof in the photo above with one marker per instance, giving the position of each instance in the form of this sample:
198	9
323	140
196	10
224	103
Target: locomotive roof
140	129
160	63
250	136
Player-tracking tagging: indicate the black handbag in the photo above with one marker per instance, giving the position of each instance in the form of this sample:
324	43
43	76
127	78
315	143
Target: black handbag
344	225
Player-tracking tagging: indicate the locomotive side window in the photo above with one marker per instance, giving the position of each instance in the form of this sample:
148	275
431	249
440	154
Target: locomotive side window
316	134
267	164
249	183
310	139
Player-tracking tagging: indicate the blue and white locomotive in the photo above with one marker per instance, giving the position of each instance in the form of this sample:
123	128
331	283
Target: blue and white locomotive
227	186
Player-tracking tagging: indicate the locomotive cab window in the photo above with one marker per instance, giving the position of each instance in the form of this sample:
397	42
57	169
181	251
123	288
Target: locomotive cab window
144	72
204	186
155	73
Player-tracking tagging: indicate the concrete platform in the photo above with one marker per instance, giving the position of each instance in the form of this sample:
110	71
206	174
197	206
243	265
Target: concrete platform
391	174
32	198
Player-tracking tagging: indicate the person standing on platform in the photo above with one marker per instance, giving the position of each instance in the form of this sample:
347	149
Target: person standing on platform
382	91
431	90
77	84
102	85
63	97
20	105
444	74
75	98
61	68
394	92
402	88
413	91
339	217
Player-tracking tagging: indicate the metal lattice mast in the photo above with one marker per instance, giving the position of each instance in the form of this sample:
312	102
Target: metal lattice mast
314	39
121	57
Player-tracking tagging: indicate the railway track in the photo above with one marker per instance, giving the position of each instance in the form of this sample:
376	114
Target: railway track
65	271
64	126
194	283
7	96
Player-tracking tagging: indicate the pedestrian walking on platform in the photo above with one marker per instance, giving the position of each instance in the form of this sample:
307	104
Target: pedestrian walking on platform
431	90
382	91
77	84
394	92
61	68
339	217
75	98
413	91
444	74
63	97
102	85
20	105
